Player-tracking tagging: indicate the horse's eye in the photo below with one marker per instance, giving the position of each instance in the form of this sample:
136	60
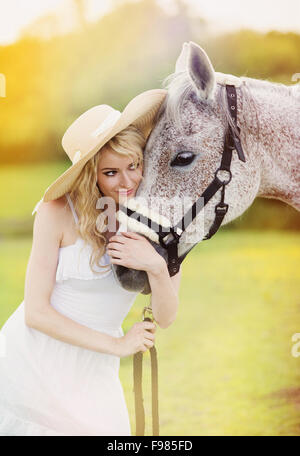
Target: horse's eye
183	159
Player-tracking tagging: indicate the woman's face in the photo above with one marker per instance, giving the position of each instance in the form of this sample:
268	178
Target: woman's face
117	175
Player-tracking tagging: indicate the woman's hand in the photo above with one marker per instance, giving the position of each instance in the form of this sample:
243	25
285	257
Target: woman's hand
140	337
134	251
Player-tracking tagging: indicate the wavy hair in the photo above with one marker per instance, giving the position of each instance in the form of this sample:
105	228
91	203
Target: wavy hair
85	193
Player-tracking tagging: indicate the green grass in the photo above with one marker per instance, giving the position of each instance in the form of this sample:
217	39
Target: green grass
225	365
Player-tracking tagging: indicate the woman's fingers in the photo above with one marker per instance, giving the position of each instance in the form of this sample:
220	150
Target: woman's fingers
148	325
152	330
116	260
149	343
117	238
132	235
114	253
114	245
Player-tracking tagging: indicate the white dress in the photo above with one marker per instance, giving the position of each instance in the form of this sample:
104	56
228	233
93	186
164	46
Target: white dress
49	387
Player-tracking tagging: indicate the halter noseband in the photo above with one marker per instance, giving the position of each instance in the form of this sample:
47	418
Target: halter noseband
170	240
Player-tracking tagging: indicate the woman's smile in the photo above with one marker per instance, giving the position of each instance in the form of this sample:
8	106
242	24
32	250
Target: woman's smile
124	192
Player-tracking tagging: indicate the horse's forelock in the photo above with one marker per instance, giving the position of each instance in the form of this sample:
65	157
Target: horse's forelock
180	89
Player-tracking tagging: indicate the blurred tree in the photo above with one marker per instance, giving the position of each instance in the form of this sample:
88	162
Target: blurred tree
272	55
131	49
51	82
45	27
80	8
2	85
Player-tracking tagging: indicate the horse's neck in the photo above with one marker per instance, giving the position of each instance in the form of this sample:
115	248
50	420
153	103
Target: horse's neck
271	117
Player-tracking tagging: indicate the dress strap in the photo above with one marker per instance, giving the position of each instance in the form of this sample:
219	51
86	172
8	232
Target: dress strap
72	208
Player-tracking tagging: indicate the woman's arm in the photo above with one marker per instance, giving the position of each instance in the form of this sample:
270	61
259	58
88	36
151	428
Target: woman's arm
164	297
40	280
134	251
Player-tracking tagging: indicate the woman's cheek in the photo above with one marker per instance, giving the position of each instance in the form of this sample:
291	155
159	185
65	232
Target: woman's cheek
111	183
139	176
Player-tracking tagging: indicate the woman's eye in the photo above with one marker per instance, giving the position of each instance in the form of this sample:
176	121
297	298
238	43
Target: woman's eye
131	167
183	159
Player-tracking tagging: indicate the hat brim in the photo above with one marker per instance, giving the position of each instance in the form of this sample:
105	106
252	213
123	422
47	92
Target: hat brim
140	111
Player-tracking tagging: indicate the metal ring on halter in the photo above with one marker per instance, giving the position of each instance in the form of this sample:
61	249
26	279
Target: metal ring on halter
224	182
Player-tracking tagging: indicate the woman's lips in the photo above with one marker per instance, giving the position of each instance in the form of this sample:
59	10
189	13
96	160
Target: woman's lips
125	193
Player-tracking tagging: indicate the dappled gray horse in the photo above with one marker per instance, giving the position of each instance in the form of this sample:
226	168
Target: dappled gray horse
185	148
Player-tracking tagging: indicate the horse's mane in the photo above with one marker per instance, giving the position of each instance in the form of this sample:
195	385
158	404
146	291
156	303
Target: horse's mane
180	89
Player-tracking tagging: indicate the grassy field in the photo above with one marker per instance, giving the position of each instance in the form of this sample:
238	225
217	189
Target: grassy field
225	365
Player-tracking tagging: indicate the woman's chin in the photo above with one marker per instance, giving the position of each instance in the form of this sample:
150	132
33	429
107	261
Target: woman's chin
123	199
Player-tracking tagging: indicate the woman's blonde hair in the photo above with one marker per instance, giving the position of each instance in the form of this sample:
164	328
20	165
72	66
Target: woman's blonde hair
85	193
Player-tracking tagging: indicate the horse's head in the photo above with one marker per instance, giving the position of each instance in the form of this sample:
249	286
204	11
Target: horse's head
183	153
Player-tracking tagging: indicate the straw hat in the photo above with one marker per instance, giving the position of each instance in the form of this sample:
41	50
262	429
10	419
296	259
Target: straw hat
94	128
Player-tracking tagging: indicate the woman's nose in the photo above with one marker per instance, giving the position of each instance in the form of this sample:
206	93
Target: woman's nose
126	180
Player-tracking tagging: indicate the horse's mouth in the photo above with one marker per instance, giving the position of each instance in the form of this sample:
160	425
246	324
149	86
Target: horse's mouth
131	279
137	281
134	280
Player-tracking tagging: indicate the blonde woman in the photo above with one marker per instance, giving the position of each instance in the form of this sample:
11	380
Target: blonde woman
59	375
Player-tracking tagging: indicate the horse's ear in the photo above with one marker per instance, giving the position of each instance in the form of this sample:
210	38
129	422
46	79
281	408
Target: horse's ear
201	71
181	62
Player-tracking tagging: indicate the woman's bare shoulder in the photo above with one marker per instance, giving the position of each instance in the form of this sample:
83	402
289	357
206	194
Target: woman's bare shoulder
50	216
53	208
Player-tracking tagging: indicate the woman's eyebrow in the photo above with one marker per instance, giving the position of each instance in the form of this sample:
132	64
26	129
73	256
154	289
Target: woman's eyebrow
115	169
109	168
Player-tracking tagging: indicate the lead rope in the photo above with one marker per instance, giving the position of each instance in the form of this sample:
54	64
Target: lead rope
138	391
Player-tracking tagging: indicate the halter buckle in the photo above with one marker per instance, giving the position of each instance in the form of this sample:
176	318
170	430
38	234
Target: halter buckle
221	209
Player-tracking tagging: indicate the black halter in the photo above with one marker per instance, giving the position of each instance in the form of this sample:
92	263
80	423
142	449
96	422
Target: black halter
174	233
